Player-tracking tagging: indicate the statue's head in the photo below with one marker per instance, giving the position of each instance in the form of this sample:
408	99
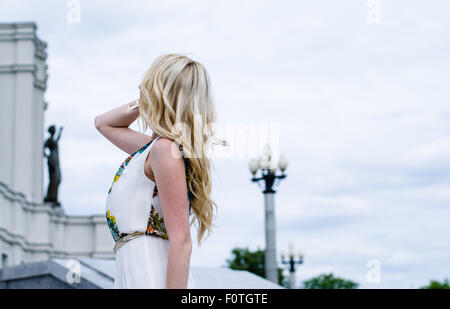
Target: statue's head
52	130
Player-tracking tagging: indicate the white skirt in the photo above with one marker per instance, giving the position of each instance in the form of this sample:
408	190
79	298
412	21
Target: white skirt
141	263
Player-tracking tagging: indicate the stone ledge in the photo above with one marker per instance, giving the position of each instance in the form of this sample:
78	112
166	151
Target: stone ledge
40	275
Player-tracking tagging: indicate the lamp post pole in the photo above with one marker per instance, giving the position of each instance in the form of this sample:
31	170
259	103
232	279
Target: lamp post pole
291	262
268	166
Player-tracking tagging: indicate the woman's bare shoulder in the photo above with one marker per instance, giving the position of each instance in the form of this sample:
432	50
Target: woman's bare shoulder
165	153
166	148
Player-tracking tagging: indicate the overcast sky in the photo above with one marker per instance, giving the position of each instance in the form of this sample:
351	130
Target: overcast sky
362	109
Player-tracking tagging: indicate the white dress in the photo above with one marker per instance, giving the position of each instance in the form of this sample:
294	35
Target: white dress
133	205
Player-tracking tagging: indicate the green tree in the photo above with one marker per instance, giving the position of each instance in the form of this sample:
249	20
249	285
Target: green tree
434	284
329	281
254	262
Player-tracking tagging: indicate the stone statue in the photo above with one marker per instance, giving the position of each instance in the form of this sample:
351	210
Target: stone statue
54	171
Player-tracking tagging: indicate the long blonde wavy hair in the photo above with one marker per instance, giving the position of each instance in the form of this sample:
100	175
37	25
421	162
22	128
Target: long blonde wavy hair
176	102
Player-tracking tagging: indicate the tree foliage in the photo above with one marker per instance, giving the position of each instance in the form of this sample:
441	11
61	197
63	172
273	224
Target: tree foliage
434	284
329	281
252	261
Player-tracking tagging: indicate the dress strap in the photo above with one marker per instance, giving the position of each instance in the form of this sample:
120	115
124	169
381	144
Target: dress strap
154	140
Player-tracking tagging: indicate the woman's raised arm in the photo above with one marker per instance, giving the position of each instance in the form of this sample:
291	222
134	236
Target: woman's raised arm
114	125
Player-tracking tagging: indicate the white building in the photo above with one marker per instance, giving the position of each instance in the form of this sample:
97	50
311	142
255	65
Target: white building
31	230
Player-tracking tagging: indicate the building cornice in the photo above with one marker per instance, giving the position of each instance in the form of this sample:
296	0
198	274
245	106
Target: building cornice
26	68
23	31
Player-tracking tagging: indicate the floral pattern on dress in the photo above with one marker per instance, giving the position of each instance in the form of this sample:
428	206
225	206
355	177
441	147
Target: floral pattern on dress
112	225
111	220
125	163
155	225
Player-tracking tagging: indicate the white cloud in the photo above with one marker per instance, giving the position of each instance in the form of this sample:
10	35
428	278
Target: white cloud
434	152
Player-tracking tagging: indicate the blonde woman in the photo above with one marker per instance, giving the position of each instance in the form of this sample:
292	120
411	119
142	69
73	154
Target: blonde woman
166	178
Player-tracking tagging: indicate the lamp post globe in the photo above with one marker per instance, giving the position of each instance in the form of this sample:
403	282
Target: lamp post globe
282	163
253	166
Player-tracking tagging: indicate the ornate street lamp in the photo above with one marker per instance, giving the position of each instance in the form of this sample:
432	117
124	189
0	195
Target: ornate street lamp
268	165
291	262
